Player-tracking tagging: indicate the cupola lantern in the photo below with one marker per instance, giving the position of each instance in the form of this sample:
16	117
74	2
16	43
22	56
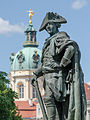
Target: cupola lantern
30	33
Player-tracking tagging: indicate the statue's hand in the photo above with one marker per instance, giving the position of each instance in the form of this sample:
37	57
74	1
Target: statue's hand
33	79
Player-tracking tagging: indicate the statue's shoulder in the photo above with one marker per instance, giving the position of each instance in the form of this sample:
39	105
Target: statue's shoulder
62	38
62	35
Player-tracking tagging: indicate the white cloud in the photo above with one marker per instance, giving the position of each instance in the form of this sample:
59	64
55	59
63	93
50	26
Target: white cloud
79	4
6	27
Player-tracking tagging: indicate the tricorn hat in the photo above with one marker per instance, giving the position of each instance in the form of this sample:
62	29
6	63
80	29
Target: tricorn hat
52	17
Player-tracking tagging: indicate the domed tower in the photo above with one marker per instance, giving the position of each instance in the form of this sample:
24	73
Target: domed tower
23	64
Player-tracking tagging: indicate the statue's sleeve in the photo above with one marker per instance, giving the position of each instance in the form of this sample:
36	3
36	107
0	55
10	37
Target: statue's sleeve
66	59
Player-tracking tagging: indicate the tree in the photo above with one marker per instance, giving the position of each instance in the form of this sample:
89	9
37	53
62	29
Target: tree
8	110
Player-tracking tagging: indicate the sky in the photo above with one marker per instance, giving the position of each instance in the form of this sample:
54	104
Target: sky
14	20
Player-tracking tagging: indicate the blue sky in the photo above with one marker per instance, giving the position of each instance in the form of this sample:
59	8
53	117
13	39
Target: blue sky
14	20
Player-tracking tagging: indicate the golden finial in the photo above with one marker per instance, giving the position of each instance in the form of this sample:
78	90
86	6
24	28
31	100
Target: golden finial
31	13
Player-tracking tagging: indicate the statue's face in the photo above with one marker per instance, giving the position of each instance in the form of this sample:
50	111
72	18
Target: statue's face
51	28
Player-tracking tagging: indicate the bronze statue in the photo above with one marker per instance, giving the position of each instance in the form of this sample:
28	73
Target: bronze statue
63	77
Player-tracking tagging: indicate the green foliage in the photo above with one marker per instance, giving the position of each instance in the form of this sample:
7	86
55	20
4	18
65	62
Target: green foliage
7	96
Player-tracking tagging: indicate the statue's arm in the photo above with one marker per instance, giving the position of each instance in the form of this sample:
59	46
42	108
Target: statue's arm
38	71
66	59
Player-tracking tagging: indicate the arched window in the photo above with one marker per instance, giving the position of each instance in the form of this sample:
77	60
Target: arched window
28	37
31	36
21	91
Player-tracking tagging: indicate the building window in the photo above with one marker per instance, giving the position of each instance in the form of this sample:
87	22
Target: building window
38	109
21	91
34	92
31	36
28	37
88	114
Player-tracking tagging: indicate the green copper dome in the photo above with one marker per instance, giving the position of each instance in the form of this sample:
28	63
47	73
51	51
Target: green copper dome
30	37
25	59
30	28
30	56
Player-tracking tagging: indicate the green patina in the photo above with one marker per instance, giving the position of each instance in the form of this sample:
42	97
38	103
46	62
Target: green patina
24	60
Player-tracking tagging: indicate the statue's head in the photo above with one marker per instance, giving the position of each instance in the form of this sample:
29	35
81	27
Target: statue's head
52	18
52	28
